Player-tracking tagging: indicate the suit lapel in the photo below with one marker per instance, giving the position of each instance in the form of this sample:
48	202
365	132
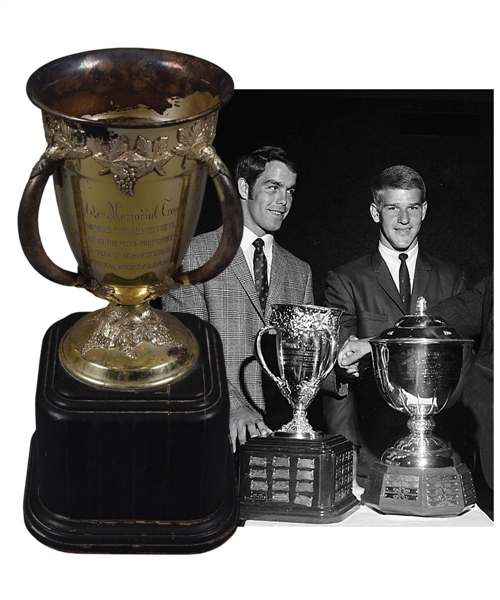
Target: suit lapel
277	279
421	279
385	279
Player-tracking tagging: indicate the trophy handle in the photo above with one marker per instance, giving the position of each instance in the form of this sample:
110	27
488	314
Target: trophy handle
261	358
29	232
232	231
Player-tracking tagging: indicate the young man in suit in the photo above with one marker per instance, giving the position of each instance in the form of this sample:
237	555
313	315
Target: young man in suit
375	291
232	303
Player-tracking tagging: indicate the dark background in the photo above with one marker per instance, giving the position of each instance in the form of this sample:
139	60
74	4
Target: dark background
342	139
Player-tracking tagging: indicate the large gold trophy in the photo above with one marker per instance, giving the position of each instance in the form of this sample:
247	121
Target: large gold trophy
129	146
299	474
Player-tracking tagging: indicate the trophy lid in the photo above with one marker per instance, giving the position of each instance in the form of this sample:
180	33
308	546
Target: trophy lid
421	325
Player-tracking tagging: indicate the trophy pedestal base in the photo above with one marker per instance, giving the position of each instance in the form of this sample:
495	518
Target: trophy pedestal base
429	492
132	472
297	480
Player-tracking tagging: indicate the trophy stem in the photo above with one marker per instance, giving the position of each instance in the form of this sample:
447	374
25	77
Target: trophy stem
421	448
299	426
128	347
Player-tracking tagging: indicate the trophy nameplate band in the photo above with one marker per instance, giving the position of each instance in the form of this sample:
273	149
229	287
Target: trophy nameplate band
287	479
445	491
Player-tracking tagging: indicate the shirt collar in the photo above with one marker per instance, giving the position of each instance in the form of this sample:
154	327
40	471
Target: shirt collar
392	256
249	237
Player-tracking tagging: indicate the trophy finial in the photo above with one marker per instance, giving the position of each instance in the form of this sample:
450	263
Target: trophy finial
421	306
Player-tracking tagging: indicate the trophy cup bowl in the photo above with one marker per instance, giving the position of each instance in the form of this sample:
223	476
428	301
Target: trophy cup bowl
129	144
418	365
307	346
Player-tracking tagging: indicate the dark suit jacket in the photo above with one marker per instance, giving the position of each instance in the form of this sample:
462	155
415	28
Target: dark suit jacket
230	303
471	313
365	290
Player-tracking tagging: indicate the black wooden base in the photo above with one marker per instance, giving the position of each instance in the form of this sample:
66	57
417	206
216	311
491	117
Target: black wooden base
132	472
127	536
429	492
297	480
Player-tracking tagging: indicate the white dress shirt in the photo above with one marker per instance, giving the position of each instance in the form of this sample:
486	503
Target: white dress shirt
391	258
248	248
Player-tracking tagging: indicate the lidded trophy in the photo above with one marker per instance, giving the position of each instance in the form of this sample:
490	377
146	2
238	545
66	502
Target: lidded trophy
418	366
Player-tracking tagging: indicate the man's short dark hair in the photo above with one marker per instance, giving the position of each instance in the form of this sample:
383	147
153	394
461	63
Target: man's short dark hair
251	165
399	177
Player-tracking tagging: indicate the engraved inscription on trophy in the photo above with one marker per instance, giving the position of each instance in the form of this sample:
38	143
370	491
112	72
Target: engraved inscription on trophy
257	461
259	485
401	487
281	461
281	485
308	475
281	478
258	473
305	463
443	491
343	475
281	474
303	500
304	486
280	497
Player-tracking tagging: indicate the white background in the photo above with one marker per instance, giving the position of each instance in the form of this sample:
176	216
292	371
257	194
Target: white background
262	44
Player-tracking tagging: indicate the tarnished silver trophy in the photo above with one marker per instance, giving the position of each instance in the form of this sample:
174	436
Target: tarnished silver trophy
307	346
418	366
298	474
129	145
131	446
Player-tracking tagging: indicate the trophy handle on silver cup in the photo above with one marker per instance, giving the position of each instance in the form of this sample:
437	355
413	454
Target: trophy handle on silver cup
29	233
282	384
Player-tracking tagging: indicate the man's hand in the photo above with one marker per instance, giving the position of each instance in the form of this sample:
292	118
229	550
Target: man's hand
245	421
351	353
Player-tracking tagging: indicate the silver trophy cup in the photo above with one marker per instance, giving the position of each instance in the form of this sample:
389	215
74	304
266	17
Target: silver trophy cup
307	346
419	365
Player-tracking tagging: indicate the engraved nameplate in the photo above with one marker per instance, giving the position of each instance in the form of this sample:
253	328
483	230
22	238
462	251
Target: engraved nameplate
281	461
401	487
443	491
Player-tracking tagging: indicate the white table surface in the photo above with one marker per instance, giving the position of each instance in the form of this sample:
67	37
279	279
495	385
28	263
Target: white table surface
367	517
